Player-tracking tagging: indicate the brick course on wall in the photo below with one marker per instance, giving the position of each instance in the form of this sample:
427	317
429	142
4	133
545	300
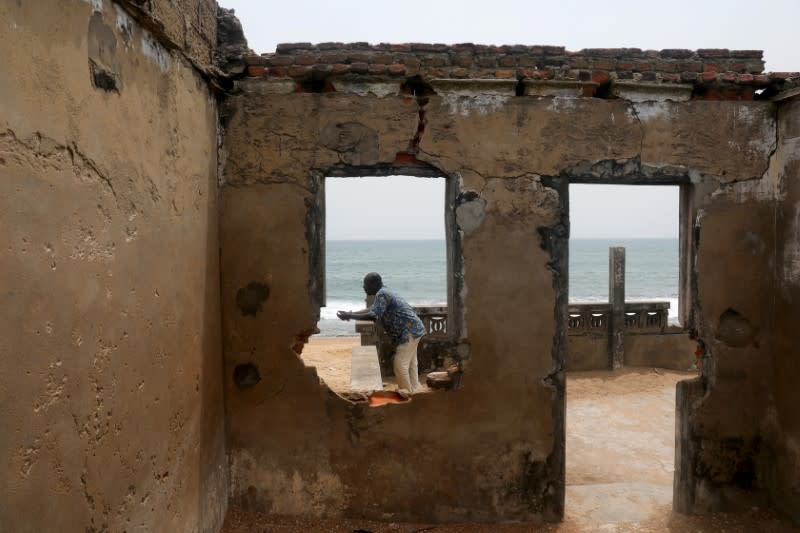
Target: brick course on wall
740	72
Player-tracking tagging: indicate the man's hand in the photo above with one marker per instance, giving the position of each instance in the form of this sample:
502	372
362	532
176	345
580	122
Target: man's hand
343	315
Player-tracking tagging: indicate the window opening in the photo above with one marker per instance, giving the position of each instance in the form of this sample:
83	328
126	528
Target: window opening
393	225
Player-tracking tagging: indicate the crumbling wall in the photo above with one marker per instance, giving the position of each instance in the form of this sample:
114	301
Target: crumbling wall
721	459
109	331
498	442
785	417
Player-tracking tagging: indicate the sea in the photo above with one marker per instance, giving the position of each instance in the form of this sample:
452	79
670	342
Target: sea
417	270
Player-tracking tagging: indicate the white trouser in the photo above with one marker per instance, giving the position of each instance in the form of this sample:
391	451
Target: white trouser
405	365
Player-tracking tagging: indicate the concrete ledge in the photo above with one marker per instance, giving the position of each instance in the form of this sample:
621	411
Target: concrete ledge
557	88
363	88
365	371
474	87
634	91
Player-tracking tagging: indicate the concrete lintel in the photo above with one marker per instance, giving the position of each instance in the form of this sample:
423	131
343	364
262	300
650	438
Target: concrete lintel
556	87
634	91
267	86
474	87
364	88
787	94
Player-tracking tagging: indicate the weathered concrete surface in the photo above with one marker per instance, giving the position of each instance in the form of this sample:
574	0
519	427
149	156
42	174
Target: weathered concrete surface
296	448
674	351
110	403
785	418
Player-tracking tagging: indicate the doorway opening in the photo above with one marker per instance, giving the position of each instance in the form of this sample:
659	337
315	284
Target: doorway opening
395	226
620	434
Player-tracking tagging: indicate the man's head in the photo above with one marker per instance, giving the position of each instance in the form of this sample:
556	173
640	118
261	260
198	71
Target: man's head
372	283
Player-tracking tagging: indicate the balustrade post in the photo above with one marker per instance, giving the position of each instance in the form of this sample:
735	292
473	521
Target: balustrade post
616	299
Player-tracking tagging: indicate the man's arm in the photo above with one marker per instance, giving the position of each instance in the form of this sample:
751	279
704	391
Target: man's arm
364	314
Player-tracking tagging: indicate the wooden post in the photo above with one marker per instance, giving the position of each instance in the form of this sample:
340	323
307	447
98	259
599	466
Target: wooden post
616	299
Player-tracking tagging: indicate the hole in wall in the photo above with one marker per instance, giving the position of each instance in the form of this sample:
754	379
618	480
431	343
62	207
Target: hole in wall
250	298
416	86
246	375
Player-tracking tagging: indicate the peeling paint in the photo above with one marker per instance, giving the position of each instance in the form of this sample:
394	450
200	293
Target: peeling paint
791	253
97	5
647	111
562	103
481	104
157	53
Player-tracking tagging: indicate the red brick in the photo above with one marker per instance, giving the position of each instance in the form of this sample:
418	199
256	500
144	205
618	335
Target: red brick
340	68
381	59
296	71
524	73
396	69
676	53
589	90
333	57
377	69
599	76
504	74
761	79
305	59
322	68
745	78
460	73
359	68
487	61
464	46
728	76
278	72
462	60
579	62
709	76
783	75
748	54
404	158
359	57
280	61
711	67
400	47
689	66
256	71
330	46
666	66
713	52
409	61
603	64
507	61
437	60
255	60
286	47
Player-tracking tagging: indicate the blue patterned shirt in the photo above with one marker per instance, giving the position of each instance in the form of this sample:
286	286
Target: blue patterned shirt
398	318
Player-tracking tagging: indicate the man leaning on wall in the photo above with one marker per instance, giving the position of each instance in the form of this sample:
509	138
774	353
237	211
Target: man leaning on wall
401	323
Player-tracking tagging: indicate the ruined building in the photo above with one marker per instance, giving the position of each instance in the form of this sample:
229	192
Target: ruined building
161	202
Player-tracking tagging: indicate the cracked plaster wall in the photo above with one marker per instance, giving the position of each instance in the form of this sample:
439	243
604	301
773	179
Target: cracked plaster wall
785	418
486	452
109	333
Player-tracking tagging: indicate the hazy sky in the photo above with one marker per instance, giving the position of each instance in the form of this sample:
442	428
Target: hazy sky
394	207
648	212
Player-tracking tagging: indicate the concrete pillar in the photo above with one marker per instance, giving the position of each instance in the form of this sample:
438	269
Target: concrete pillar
616	299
